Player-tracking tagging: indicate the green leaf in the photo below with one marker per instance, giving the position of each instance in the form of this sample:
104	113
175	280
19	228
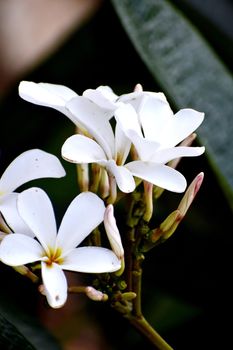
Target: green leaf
21	331
188	71
11	338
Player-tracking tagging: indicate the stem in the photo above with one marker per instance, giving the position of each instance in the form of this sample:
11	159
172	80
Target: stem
137	284
141	324
95	172
113	190
133	271
129	258
83	177
148	196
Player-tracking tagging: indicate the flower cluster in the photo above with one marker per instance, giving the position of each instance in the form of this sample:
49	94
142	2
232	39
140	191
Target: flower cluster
127	139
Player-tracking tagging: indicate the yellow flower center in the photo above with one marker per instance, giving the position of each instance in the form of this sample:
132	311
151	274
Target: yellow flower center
54	256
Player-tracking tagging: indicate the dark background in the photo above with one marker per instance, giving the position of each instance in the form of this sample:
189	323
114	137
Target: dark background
186	281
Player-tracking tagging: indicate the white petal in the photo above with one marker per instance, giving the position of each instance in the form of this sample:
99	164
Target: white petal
124	178
36	210
128	119
103	96
95	120
145	148
122	145
82	149
136	98
9	210
50	95
133	98
159	175
84	214
154	115
165	155
55	284
18	249
91	260
182	125
30	165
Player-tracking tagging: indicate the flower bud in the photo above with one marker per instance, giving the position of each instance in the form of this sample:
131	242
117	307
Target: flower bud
190	194
95	294
104	184
170	224
138	88
113	232
148	196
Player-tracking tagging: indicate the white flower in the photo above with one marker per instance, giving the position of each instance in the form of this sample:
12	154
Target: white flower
155	131
57	251
148	121
90	112
144	117
110	152
30	165
82	110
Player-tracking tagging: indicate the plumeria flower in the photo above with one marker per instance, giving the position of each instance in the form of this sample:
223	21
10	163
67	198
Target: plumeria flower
57	251
111	154
30	165
90	112
155	132
146	119
94	106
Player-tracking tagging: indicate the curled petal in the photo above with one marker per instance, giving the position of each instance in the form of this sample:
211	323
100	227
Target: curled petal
55	284
91	260
159	175
84	214
30	165
95	120
123	176
104	97
82	149
18	249
43	94
136	98
9	210
36	210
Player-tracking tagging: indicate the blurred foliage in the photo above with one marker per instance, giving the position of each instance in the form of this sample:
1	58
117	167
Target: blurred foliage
187	70
186	283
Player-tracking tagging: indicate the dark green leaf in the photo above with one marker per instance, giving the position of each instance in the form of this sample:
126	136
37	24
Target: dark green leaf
21	331
11	338
188	71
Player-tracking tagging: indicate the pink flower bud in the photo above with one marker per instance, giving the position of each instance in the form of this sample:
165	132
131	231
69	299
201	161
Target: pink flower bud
138	88
113	232
95	295
190	194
